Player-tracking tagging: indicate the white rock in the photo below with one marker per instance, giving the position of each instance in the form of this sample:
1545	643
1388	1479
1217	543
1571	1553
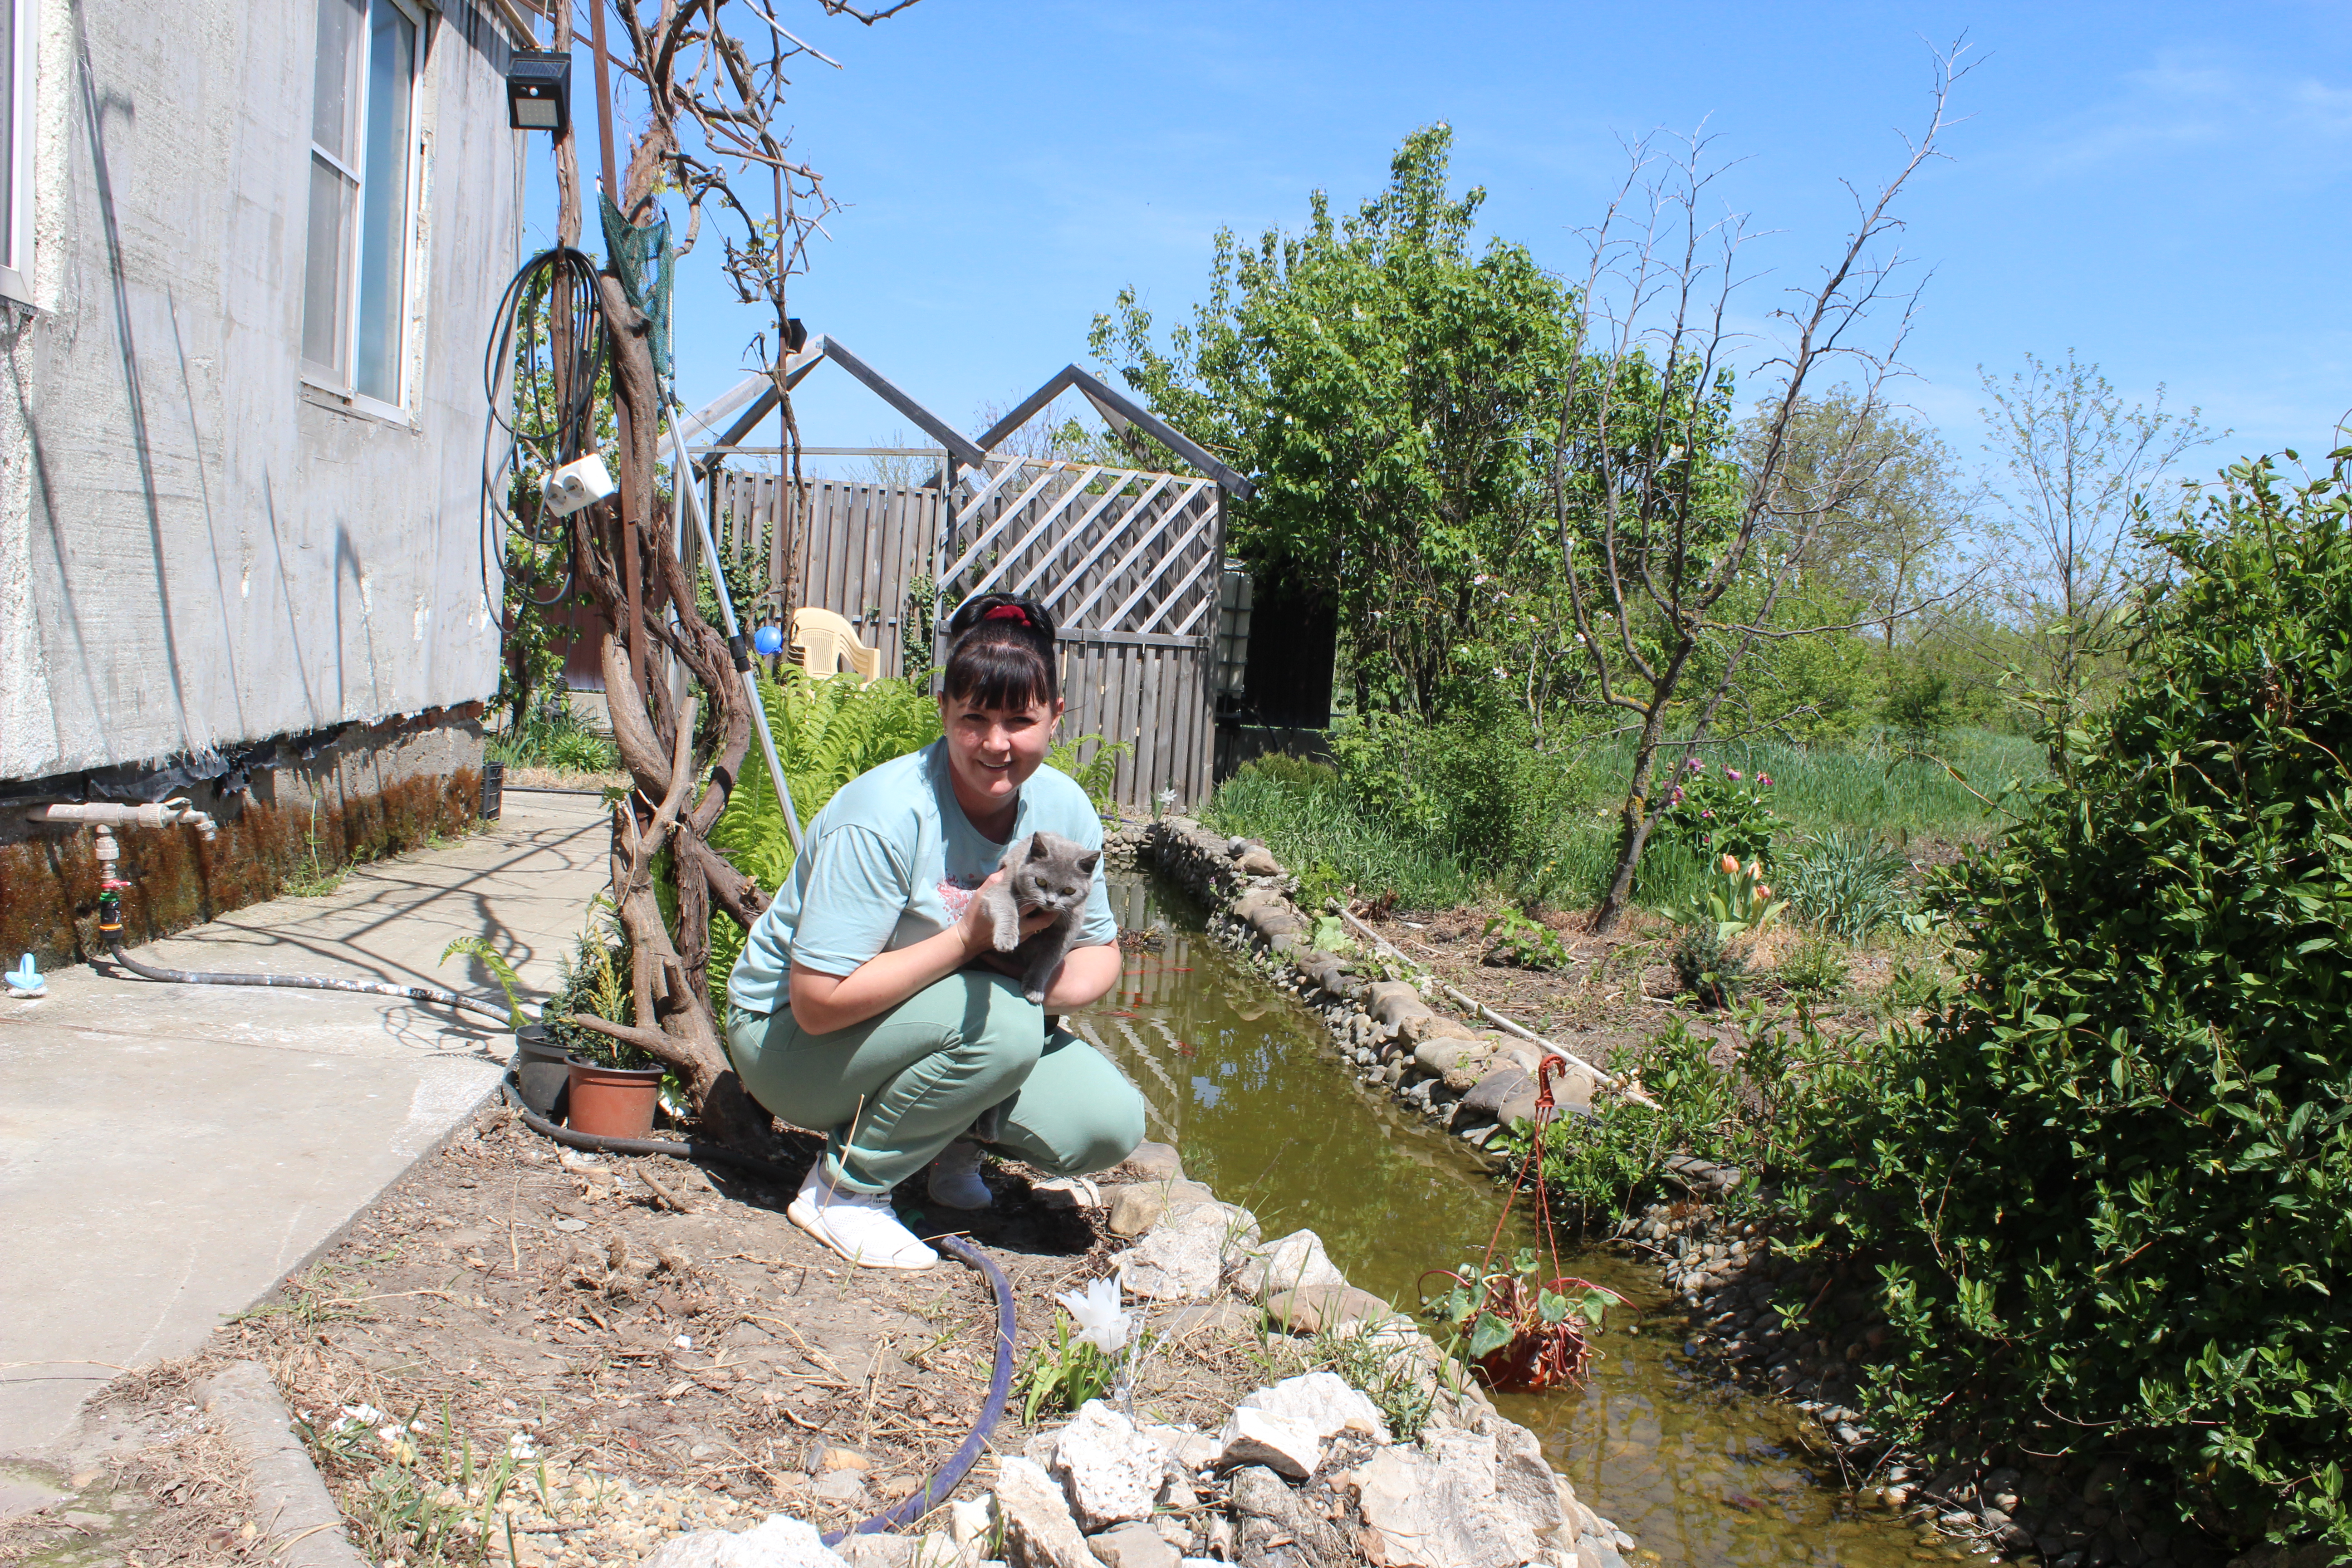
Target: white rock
1109	1471
782	1541
970	1519
1322	1402
1038	1530
1188	1451
1286	1446
1293	1263
1437	1506
1528	1486
1185	1257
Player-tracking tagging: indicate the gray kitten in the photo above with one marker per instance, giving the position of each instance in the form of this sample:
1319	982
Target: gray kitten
1044	871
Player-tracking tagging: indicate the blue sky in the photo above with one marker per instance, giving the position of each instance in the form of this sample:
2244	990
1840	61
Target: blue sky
2160	186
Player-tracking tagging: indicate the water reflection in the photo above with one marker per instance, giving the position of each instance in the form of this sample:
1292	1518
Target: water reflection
1246	1086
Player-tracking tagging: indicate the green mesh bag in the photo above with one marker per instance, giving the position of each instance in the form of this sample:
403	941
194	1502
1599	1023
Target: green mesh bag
643	259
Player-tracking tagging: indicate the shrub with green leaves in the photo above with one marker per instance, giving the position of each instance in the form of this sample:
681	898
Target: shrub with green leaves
1735	1112
1721	811
2109	1193
1097	776
1524	943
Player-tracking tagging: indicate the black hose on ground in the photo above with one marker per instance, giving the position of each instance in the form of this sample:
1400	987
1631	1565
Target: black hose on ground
943	1481
313	982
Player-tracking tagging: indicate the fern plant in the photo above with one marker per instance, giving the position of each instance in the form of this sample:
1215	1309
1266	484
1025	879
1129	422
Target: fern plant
1097	776
501	968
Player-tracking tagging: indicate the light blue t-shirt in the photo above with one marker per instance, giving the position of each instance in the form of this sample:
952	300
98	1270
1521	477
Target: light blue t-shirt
892	859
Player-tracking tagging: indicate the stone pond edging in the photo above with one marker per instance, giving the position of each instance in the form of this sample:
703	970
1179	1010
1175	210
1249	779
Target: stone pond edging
1472	1081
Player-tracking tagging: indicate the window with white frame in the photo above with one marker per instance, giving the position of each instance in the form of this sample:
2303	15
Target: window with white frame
18	30
362	157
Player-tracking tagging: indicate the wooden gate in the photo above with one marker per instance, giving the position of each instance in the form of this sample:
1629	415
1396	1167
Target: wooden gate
1127	562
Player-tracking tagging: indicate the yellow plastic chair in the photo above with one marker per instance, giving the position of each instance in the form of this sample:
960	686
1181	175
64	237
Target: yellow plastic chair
828	643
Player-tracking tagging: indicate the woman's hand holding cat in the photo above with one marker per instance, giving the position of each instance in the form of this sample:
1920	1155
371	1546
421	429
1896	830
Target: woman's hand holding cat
978	927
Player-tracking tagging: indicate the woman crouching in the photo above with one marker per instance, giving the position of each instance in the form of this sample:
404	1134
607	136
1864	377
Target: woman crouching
870	1000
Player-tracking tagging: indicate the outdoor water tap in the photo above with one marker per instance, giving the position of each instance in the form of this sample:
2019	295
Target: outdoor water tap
154	813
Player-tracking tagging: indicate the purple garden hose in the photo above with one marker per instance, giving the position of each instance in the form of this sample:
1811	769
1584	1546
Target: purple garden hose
1000	1383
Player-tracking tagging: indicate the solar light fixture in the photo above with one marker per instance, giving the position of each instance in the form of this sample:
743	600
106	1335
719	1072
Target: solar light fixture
538	90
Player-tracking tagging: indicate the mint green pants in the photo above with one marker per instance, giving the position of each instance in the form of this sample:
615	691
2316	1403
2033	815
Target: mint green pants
891	1092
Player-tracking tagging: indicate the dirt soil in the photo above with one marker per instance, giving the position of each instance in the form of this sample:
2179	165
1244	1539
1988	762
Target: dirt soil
514	1337
1616	990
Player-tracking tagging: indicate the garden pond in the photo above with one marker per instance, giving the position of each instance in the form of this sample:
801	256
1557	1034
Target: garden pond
1244	1082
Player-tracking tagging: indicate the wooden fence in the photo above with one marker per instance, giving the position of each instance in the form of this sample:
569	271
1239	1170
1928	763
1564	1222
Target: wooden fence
1126	561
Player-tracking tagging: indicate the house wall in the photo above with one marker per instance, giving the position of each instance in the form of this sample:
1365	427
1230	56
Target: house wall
196	551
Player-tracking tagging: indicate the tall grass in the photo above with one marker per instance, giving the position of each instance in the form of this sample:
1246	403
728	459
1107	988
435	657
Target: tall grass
1319	823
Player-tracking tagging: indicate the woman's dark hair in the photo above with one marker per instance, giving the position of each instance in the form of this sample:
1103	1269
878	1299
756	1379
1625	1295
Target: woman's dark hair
1003	654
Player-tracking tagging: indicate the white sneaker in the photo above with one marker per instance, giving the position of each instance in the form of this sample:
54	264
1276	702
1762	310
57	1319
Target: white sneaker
858	1225
955	1177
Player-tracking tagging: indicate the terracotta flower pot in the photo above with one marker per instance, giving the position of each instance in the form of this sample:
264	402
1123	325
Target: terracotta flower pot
541	1068
612	1102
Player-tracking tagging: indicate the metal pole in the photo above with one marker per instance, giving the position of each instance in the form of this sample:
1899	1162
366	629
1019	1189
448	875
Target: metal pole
735	642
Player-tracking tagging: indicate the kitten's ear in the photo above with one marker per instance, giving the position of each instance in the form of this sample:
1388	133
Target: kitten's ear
1087	863
1037	850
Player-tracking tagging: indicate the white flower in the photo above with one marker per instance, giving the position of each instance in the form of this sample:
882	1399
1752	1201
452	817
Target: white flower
1168	797
1096	1311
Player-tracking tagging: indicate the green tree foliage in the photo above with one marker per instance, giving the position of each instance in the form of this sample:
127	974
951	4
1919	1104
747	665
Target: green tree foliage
1892	499
2109	1194
2075	468
1380	381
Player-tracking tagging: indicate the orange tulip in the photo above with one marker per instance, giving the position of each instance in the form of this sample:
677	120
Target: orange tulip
1764	890
1755	868
1729	865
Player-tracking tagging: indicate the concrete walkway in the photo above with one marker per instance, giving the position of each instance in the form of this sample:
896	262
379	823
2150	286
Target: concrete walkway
168	1153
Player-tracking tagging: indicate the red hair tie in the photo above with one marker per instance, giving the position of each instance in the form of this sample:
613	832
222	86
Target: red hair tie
1007	613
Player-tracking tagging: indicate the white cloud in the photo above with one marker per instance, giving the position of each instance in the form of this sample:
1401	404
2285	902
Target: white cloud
2200	98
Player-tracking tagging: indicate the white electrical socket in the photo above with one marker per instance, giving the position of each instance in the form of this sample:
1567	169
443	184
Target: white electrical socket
581	482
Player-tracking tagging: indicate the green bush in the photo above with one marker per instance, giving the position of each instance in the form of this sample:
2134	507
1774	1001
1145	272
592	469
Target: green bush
594	979
1524	943
1721	811
1710	969
2109	1193
1738	1112
1478	791
556	736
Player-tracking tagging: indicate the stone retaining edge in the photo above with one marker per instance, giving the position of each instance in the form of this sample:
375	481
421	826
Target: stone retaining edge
1471	1079
291	1502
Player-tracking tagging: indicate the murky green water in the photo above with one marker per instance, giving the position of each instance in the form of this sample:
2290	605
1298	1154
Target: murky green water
1246	1084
